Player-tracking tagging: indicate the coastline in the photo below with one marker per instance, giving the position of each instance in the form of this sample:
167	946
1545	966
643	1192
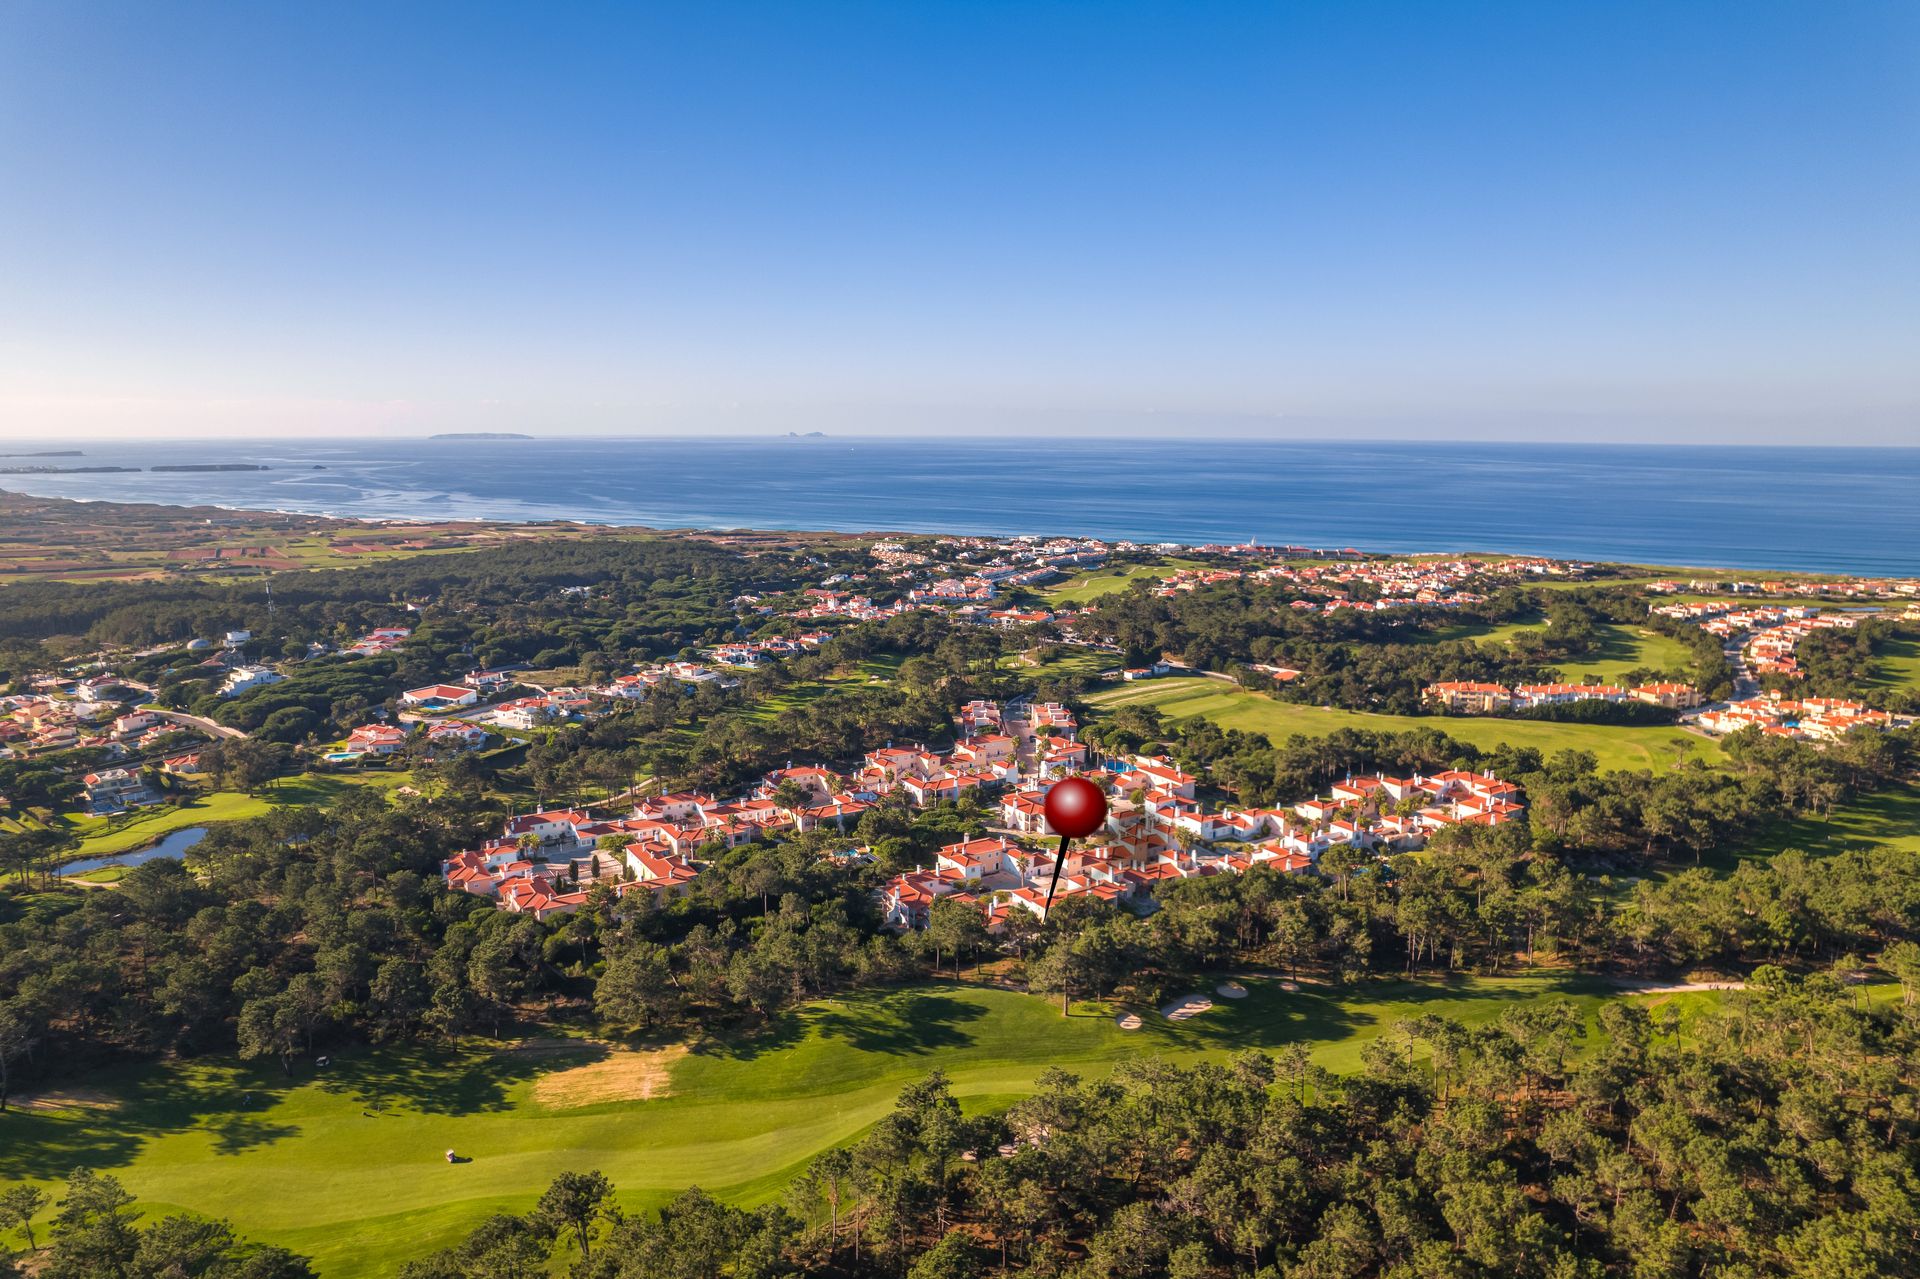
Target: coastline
1763	509
565	527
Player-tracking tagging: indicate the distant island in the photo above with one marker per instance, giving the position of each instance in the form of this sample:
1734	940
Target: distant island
123	470
810	435
46	453
62	470
480	435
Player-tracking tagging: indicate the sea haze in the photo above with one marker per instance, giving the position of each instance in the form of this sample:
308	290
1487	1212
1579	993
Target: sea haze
1815	509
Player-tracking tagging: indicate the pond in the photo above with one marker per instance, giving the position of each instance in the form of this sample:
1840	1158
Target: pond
174	845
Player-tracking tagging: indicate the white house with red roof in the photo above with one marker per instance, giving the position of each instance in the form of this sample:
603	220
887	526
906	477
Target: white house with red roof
549	826
377	739
440	696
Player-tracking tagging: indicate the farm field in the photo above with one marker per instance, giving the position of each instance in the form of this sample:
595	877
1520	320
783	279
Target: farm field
1233	707
346	1165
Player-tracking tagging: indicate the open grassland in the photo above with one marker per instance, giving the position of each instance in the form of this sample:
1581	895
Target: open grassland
863	674
1233	707
1621	649
101	836
1105	580
1071	663
1897	664
1890	817
347	1165
1483	632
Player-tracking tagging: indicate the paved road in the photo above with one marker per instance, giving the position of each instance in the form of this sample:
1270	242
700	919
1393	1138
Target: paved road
195	721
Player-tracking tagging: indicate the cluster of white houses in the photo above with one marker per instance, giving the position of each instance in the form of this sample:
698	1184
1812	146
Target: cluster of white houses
1873	588
1817	719
753	654
1768	636
1156	832
547	862
1466	697
1394	583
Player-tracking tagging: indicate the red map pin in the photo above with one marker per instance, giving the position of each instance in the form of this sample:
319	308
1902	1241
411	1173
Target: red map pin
1075	809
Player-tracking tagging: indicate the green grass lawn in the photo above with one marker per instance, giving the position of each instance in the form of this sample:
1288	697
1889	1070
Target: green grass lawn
1075	662
346	1165
1890	817
872	670
1626	648
1622	648
1897	664
1234	707
1091	585
1484	632
101	837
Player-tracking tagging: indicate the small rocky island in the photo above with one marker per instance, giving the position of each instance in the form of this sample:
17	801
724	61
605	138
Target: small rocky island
480	435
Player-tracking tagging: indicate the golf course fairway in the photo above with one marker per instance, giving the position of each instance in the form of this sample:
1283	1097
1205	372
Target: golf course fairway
346	1164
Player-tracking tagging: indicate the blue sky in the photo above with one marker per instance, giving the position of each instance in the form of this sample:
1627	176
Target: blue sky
1677	222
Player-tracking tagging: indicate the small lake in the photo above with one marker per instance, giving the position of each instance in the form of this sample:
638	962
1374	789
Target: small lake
174	845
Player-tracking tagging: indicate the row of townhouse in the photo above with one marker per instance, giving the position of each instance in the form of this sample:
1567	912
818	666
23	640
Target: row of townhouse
657	839
1807	718
1467	697
556	706
824	603
542	865
382	740
983	616
1154	835
1875	588
753	654
38	724
1019	717
1441	582
668	676
953	590
1767	635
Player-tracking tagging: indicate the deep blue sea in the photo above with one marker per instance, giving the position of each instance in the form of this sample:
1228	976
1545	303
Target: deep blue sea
1818	509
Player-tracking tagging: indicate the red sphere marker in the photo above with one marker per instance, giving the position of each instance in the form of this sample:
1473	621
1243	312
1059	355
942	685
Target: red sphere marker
1075	809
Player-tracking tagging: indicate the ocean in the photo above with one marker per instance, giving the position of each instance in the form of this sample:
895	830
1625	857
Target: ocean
1836	510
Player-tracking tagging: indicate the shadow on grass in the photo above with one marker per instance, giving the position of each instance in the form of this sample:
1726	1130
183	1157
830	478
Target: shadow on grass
237	1134
902	1023
109	1123
1270	1017
782	1030
435	1081
909	1025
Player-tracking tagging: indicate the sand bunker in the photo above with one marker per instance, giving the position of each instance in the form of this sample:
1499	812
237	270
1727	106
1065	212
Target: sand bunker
619	1076
1230	990
1189	1006
1289	986
1127	1021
